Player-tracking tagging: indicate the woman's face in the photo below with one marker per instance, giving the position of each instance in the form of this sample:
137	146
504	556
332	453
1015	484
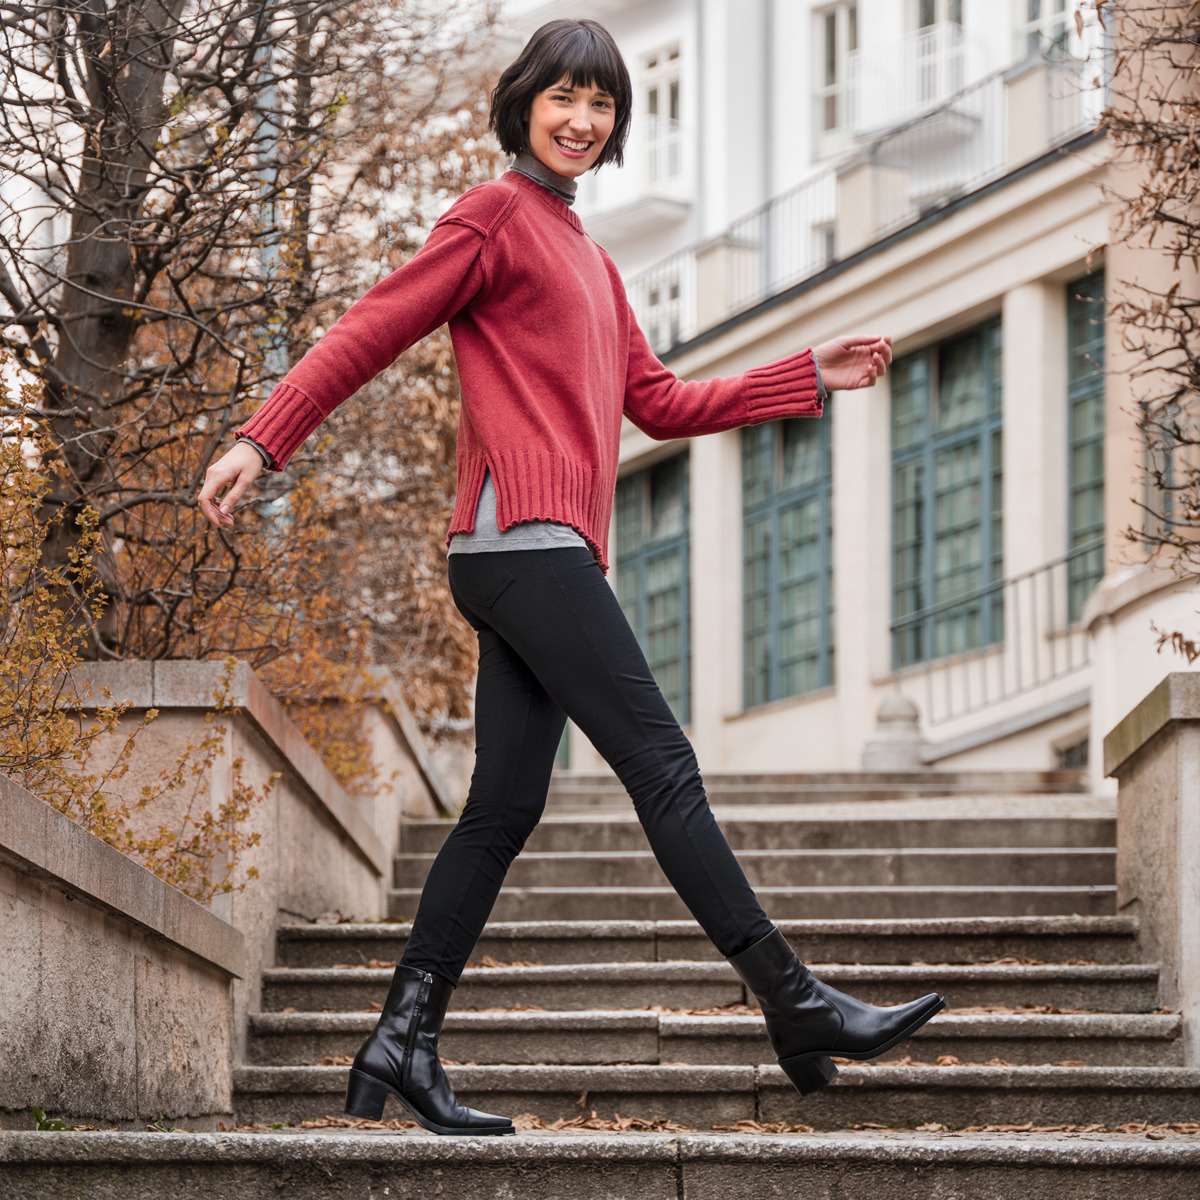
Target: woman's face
568	127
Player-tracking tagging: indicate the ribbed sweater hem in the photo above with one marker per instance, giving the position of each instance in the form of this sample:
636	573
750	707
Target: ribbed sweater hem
281	424
787	388
532	485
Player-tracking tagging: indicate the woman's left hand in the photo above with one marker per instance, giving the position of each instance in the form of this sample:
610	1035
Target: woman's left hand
853	361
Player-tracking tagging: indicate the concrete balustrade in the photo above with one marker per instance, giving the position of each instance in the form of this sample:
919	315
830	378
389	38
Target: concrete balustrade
1155	755
99	1021
116	997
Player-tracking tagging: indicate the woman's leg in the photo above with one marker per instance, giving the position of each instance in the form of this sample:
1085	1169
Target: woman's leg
517	732
555	613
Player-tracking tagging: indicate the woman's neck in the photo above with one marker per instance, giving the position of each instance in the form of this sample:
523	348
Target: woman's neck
532	167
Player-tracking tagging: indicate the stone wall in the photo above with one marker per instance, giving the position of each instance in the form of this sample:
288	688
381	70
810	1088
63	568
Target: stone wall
135	1050
116	991
1155	755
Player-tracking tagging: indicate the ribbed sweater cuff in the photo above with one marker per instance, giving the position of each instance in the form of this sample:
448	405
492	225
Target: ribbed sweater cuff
284	420
787	388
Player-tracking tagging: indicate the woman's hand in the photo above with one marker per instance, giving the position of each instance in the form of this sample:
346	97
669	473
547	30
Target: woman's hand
240	467
854	361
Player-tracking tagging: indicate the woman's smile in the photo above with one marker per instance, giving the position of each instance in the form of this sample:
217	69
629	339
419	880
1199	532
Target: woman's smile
569	125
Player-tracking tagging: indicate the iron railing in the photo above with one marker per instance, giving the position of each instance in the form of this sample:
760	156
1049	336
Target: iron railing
954	148
1036	637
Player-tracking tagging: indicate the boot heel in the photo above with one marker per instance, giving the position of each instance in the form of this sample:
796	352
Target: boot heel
365	1097
808	1073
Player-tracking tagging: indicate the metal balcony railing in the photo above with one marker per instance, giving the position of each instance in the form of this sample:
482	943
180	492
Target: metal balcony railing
948	151
1000	641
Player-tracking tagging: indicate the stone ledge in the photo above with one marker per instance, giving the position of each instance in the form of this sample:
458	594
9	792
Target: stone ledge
418	1147
1176	698
398	712
39	840
192	685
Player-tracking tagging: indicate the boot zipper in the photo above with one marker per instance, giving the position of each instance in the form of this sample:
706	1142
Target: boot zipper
414	1020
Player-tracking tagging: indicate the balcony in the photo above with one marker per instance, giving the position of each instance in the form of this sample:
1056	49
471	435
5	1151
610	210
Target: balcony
883	85
650	196
914	168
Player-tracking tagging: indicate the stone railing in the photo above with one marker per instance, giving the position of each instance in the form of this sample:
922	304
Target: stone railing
116	997
320	851
1154	753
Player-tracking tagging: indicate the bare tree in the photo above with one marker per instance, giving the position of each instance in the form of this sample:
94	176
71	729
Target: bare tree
188	193
1153	122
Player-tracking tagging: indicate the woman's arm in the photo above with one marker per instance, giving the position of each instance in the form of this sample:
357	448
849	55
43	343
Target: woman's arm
664	406
438	281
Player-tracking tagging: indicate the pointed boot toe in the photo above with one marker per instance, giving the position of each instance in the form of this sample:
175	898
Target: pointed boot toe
809	1022
400	1059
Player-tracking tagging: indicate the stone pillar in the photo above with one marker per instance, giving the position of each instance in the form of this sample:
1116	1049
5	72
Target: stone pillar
1035	425
871	197
1155	755
716	592
897	744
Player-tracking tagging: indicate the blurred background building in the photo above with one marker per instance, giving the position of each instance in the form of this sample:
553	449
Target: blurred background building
951	540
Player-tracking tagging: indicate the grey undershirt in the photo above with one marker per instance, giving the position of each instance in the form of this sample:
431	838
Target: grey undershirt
526	535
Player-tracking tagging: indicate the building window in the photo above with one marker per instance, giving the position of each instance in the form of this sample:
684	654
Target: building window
835	40
660	86
947	518
933	12
787	487
1043	27
652	573
662	313
1085	465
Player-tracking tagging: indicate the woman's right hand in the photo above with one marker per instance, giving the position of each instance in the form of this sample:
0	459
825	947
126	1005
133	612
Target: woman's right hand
237	469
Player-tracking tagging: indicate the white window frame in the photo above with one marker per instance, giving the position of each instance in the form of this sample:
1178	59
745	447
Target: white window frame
661	75
840	92
1053	27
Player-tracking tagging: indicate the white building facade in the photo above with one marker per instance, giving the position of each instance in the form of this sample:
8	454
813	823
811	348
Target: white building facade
955	535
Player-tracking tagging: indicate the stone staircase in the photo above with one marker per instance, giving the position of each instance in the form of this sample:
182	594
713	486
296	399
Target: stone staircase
1053	1075
593	993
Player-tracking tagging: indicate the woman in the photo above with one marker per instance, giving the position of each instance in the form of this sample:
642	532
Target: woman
550	357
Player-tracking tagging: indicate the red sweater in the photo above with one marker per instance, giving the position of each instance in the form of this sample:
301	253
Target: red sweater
549	358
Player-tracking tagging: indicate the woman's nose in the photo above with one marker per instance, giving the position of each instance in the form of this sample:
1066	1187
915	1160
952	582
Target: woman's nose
581	119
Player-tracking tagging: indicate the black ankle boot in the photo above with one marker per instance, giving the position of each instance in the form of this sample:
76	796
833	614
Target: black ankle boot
400	1058
808	1021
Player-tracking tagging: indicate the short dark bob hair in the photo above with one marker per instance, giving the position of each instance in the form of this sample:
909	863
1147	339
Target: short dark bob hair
580	53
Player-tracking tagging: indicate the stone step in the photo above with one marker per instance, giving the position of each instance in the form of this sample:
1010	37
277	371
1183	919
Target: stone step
1105	988
782	828
1116	1039
598	1166
790	903
587	789
705	1096
978	939
922	867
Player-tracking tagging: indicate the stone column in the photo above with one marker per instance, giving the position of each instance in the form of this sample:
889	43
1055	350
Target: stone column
1155	755
716	591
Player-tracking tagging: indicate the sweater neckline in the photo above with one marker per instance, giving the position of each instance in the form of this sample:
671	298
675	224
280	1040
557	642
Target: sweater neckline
552	202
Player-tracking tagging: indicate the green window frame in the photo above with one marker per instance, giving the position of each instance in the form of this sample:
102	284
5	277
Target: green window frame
652	573
787	538
1085	437
947	504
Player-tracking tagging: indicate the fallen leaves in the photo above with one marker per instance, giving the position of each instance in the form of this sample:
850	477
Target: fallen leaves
616	1124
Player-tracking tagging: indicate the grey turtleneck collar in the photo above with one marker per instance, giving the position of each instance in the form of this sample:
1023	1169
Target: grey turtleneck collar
563	186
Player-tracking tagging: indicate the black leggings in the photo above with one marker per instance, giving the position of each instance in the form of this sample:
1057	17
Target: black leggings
554	642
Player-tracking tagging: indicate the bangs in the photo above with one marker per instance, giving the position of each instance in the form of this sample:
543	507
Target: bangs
581	54
582	59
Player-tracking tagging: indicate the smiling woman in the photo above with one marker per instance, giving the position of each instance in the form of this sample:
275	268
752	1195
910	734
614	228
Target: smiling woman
550	360
571	83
